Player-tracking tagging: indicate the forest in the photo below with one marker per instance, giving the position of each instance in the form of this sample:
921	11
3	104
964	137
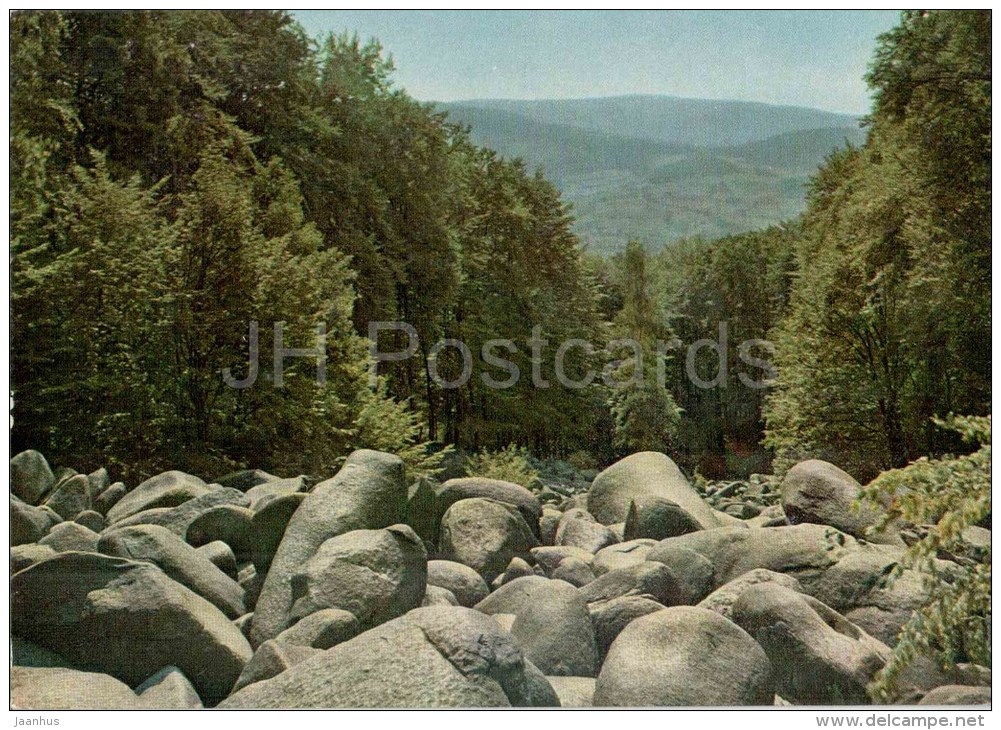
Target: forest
179	176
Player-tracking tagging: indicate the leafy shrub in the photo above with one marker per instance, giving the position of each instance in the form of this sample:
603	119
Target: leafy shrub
510	464
949	495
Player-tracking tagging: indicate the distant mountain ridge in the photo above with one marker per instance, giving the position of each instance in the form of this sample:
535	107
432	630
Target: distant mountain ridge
660	168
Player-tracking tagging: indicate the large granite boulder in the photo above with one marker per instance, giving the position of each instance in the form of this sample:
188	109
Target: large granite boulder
484	534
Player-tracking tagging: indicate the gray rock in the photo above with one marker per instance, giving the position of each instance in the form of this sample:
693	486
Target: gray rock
722	599
226	522
70	497
252	582
25	653
264	493
91	519
684	656
31	477
110	497
271	659
610	617
369	492
168	689
112	615
466	584
693	573
538	691
573	691
507	492
219	554
657	518
818	492
484	534
643	475
648	578
246	479
377	575
164	490
550	556
68	536
818	655
552	624
548	523
27	554
578	528
438	596
803	551
267	528
574	571
99	481
622	555
29	524
432	657
180	561
957	694
52	688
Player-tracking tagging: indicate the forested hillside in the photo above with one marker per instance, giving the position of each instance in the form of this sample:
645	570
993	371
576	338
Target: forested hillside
177	177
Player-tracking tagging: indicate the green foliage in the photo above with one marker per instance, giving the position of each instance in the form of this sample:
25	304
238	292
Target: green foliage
949	495
510	464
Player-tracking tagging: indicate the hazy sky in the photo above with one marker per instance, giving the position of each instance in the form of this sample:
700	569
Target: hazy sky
802	58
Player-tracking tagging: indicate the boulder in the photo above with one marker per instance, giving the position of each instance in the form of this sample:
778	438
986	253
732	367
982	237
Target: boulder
500	491
377	575
820	493
573	691
226	522
466	584
178	519
550	556
548	522
246	479
168	689
693	573
574	571
368	493
219	554
54	688
643	475
99	481
70	497
27	554
517	568
802	551
68	536
438	596
621	556
643	579
91	519
432	657
110	497
29	524
484	534
271	659
31	477
578	528
657	518
819	656
684	656
164	490
722	599
267	528
957	694
25	653
127	619
610	617
264	493
552	624
180	561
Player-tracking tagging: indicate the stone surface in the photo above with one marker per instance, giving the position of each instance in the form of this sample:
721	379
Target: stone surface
507	492
432	657
684	656
645	474
52	688
271	659
226	522
164	490
127	619
27	554
722	599
577	528
268	527
621	555
91	519
957	694
573	691
647	578
657	518
484	534
68	536
31	477
29	524
369	492
610	617
377	575
552	624
70	497
180	561
819	656
168	689
219	554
